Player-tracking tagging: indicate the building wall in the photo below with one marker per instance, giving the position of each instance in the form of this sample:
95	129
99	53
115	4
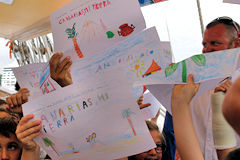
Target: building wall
8	79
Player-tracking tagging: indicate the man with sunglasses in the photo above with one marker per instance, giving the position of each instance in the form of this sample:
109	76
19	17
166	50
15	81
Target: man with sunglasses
220	34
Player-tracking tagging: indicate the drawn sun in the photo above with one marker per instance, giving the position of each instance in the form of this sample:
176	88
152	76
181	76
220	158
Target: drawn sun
137	67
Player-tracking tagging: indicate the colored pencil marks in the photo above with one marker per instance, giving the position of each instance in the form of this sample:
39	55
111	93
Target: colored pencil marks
95	26
46	83
137	67
110	34
125	29
70	127
137	54
83	11
126	114
34	75
72	35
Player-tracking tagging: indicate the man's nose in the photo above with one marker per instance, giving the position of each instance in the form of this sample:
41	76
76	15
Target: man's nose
207	49
152	151
4	154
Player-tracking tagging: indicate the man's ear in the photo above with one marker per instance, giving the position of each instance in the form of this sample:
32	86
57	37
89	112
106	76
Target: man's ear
236	43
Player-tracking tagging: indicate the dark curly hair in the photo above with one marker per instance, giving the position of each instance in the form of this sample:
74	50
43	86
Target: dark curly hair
8	125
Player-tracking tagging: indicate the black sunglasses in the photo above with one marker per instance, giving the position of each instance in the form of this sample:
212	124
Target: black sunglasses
161	148
228	21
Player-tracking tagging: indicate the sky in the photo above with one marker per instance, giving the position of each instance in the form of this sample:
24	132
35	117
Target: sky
176	20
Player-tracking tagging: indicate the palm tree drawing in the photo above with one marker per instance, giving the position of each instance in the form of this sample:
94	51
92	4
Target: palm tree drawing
48	143
126	114
72	34
199	60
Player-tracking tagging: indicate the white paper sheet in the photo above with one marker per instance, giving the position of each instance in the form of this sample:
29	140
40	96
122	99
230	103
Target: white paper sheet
28	76
218	65
163	92
96	119
151	111
94	25
142	55
204	67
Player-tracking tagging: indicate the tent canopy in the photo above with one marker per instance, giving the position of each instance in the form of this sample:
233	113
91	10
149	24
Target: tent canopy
26	19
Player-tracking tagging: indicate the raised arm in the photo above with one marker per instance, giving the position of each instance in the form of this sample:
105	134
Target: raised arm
231	106
185	135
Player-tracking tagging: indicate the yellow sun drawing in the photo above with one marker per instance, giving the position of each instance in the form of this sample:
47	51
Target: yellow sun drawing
137	67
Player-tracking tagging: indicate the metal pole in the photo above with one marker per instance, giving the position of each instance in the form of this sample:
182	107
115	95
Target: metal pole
200	17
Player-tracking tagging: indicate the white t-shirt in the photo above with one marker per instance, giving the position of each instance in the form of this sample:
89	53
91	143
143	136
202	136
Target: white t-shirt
202	120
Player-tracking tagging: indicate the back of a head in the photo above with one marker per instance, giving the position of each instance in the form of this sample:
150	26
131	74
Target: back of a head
234	155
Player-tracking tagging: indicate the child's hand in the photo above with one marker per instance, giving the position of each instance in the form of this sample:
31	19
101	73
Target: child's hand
27	130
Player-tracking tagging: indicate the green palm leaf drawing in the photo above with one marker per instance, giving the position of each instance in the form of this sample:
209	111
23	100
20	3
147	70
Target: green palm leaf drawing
171	69
48	142
200	60
71	31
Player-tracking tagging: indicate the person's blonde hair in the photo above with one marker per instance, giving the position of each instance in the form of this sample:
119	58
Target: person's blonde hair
152	126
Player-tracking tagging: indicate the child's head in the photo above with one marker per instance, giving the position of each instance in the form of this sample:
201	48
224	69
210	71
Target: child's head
10	147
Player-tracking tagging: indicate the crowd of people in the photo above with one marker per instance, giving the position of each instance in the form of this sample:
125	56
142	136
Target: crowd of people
204	128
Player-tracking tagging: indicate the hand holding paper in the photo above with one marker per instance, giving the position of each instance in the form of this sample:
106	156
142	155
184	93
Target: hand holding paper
183	93
59	70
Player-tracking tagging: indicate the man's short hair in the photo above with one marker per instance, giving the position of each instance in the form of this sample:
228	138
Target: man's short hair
8	125
231	26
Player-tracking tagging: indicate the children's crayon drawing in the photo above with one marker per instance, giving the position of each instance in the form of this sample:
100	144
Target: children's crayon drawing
88	27
147	62
203	66
232	1
210	71
148	2
142	55
72	35
81	121
199	60
46	83
28	76
34	78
